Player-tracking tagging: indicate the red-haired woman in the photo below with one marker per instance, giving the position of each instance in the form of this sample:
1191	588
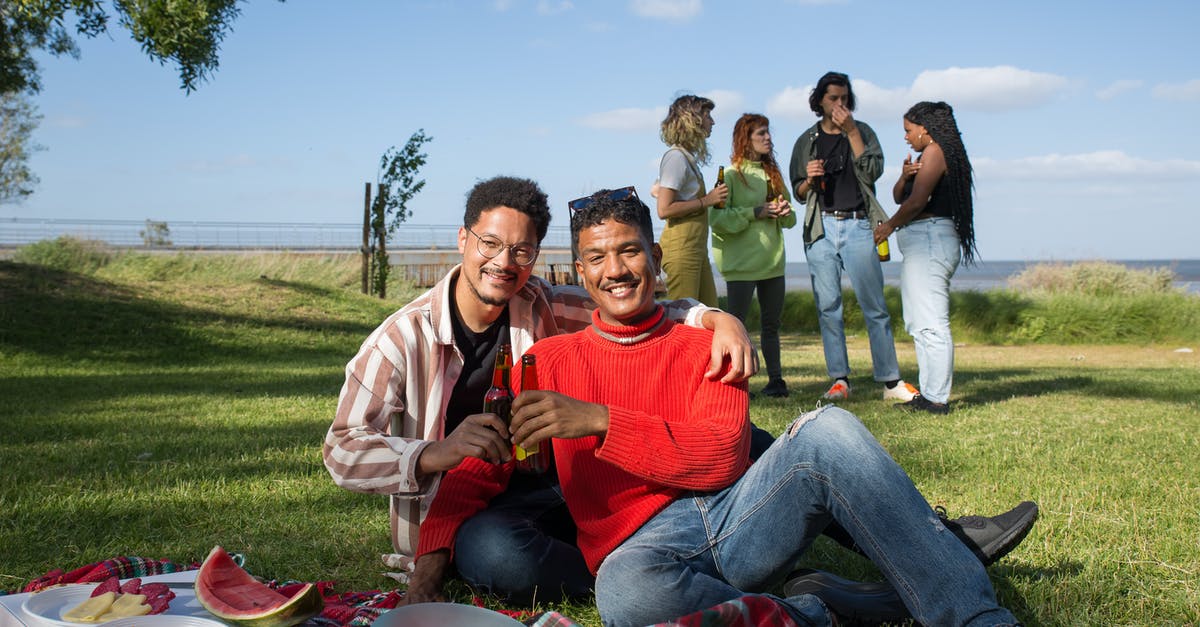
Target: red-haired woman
747	236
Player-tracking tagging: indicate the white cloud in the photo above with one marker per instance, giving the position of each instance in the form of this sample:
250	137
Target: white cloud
999	88
729	105
1117	88
791	103
552	7
502	5
666	9
813	3
1189	91
628	119
1111	166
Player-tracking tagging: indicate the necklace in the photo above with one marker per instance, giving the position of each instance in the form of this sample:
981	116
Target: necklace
626	340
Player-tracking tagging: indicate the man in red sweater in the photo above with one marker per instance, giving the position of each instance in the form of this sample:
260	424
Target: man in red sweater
653	461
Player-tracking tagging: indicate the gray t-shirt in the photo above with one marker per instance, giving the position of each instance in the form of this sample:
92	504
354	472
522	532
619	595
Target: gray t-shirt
675	172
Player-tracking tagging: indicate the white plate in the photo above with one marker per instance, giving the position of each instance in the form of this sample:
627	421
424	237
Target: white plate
443	615
45	608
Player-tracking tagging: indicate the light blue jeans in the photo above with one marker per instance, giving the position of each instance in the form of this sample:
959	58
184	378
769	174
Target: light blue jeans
931	255
849	245
707	548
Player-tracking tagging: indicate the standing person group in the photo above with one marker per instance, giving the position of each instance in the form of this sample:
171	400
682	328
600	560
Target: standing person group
936	218
834	166
747	237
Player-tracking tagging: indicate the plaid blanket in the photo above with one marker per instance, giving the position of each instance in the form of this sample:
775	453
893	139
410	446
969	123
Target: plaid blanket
360	609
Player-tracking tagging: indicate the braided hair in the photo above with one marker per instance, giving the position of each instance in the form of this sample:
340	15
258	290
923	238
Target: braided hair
743	150
938	120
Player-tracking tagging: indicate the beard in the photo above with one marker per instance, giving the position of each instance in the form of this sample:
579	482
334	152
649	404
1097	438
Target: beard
487	300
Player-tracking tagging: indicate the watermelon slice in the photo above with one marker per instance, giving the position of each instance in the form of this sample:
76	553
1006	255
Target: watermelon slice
232	595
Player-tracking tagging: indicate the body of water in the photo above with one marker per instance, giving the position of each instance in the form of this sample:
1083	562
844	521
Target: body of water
987	275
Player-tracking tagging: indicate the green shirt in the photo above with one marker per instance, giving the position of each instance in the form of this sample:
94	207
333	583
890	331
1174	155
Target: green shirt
745	248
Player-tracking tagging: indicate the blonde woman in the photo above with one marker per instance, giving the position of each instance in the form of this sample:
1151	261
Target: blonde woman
682	200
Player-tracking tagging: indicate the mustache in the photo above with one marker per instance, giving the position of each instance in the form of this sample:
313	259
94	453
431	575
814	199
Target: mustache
627	278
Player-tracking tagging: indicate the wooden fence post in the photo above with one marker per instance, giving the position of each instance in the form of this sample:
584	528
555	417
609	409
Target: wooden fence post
366	242
382	190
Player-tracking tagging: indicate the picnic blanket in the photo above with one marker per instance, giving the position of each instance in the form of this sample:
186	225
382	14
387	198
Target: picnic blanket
360	609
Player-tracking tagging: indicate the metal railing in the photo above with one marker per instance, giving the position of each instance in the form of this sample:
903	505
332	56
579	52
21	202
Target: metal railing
194	234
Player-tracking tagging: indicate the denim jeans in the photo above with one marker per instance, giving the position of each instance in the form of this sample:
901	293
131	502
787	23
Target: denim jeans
707	548
770	305
522	547
849	245
931	255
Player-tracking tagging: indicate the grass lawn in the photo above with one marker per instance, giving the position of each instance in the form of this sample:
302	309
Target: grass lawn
160	406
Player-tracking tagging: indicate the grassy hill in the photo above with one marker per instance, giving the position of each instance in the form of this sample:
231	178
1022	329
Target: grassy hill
157	405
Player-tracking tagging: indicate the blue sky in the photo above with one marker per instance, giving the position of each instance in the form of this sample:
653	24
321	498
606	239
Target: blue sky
1081	118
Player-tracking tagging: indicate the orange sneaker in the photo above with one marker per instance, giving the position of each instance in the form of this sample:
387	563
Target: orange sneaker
839	391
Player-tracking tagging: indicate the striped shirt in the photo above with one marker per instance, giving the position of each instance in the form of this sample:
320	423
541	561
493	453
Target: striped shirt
393	403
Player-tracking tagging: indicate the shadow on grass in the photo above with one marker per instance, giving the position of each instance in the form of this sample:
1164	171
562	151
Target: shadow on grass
71	316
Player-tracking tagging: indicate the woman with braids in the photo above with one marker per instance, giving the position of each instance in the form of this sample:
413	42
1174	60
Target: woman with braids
747	236
682	200
935	214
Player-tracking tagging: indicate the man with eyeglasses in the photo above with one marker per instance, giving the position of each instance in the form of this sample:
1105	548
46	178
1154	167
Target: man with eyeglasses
834	168
410	406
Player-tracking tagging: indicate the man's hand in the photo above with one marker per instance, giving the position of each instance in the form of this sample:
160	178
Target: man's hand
844	120
480	435
538	415
425	584
730	340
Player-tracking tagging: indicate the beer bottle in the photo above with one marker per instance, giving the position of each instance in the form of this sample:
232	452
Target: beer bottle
885	252
499	397
531	460
720	182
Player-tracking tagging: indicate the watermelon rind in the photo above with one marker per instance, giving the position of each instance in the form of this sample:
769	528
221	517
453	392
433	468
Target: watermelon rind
232	595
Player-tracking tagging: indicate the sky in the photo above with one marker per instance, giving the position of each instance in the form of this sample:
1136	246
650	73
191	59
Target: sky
1080	118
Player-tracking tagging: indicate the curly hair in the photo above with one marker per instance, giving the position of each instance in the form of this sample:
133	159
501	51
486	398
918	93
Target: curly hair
818	92
938	120
524	195
743	150
684	125
626	210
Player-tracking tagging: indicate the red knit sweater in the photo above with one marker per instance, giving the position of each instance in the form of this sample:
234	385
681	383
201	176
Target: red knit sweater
670	430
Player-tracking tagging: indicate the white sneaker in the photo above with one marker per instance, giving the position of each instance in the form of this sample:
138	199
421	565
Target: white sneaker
903	392
839	391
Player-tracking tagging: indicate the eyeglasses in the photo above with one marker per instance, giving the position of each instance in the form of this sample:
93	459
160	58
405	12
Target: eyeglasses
491	247
612	194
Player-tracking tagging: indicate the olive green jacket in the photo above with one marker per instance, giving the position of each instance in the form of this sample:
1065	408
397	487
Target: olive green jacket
868	167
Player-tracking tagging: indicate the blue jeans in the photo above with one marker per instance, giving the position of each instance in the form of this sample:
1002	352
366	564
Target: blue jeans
707	548
522	547
770	306
849	245
931	255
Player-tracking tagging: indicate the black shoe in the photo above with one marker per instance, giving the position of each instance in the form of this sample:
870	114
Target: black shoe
853	602
776	388
992	538
921	403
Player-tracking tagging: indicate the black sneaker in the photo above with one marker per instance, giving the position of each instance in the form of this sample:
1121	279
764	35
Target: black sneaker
992	538
853	602
776	388
921	403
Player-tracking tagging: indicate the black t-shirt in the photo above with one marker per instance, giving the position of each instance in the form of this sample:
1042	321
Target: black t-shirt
841	191
479	359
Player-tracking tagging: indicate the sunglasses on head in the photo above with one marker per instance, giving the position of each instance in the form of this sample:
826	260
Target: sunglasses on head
612	194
